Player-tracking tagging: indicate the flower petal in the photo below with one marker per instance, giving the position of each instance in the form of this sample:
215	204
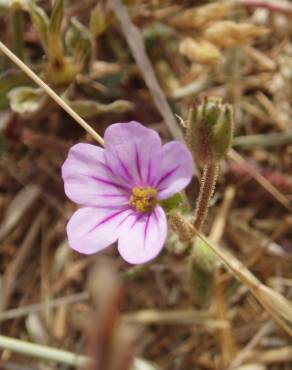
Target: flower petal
131	150
142	236
92	229
176	169
89	181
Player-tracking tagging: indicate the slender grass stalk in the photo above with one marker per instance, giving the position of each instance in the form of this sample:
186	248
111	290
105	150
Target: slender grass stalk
42	352
58	355
263	140
51	93
208	182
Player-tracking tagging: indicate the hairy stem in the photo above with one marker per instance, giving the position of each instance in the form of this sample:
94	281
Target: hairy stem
208	182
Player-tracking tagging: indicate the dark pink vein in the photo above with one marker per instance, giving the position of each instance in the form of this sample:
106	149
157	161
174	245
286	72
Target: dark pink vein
167	175
108	182
146	229
106	219
138	164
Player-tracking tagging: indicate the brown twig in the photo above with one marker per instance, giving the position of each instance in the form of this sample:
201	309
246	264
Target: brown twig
37	307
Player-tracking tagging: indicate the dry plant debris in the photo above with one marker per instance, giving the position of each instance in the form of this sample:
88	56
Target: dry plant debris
181	318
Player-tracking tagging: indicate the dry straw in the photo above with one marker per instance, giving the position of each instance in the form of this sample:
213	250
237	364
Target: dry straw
274	303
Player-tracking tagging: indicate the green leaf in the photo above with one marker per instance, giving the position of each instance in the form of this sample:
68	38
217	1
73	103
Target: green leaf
55	49
203	282
90	108
203	265
56	17
79	42
41	22
204	256
8	4
4	6
9	81
25	99
172	203
113	82
98	21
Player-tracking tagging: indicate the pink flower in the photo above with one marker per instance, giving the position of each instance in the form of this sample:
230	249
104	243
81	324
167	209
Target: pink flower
120	188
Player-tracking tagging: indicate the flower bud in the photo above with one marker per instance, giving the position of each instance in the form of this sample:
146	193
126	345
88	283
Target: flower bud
210	131
181	226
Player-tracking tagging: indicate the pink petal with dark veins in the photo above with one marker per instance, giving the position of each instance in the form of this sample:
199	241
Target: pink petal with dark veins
142	236
92	229
176	170
89	181
133	152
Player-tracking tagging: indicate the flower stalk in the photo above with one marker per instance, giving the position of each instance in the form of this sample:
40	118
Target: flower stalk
208	183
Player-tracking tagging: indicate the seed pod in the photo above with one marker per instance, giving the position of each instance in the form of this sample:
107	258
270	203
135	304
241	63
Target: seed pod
228	34
199	17
202	51
209	131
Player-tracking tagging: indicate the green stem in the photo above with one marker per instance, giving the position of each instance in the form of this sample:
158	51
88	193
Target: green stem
208	182
18	31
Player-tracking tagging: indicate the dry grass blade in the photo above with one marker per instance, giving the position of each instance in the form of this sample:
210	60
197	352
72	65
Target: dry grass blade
261	180
36	307
264	140
226	337
20	204
264	330
185	317
277	303
278	306
137	47
12	272
221	218
275	356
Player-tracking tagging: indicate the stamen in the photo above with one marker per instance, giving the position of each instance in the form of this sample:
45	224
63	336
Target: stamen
143	199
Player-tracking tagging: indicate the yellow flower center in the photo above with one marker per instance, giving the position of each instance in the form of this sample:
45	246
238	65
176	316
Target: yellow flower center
143	199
